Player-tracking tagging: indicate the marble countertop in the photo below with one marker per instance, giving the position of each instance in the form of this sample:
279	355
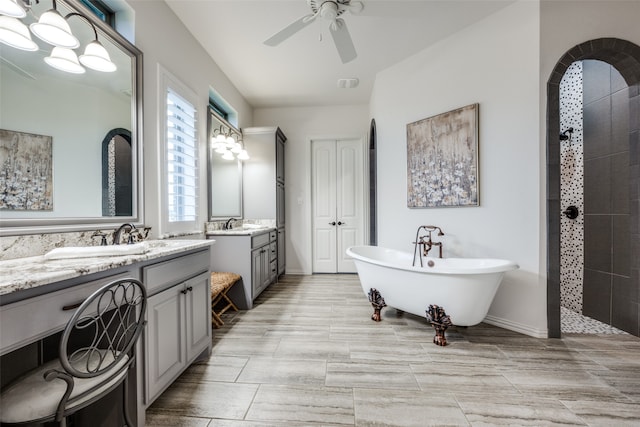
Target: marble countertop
240	231
30	272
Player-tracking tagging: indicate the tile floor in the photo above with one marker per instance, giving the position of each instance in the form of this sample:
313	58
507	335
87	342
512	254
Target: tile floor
309	355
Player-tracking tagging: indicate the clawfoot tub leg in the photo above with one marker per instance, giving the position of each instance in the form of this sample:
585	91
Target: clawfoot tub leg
440	322
377	302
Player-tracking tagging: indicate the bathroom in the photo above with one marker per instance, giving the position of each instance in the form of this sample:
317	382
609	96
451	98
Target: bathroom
507	76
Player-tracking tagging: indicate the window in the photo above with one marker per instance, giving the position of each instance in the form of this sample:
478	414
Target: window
218	109
181	158
180	175
102	11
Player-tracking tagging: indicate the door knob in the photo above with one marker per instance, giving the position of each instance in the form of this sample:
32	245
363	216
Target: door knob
342	223
332	223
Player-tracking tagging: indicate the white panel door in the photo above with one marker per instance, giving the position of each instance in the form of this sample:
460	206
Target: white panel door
350	200
338	203
323	172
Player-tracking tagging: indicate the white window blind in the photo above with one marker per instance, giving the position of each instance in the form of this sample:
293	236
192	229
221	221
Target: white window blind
181	159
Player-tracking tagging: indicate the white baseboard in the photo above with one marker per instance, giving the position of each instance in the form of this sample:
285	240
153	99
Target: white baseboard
516	327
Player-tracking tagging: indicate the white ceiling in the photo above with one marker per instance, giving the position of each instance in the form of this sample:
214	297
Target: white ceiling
304	69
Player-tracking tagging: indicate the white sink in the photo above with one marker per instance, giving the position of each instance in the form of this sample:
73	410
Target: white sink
97	251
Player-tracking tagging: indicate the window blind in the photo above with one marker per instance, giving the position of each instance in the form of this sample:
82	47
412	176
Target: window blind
181	158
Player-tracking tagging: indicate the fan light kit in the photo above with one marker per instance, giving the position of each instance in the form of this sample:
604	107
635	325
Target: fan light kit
329	10
54	29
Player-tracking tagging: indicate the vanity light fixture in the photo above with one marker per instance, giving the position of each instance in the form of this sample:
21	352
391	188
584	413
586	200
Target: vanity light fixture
227	143
54	29
12	8
15	34
65	59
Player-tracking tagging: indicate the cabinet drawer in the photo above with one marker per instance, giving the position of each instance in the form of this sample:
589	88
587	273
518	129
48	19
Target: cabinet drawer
164	274
273	236
26	321
273	251
260	240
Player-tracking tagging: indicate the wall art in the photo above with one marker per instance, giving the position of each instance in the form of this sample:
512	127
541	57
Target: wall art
442	160
26	180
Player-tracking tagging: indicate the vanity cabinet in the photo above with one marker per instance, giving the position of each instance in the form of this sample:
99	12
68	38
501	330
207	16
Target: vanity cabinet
254	256
177	331
34	308
263	178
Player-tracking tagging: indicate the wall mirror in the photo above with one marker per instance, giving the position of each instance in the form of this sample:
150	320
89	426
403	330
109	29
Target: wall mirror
75	113
225	176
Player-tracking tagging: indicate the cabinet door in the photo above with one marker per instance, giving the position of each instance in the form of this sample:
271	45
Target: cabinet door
198	312
164	336
280	212
279	158
281	251
265	267
256	272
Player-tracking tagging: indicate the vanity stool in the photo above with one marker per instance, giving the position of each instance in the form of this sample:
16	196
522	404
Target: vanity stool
221	282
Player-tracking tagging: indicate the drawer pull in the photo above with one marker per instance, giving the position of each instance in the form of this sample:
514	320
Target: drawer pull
71	306
187	289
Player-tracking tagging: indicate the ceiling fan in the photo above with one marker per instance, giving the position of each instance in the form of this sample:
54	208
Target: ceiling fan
328	10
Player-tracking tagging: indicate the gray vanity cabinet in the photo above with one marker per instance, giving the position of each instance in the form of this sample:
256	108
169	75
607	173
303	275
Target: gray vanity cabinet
176	331
253	256
263	178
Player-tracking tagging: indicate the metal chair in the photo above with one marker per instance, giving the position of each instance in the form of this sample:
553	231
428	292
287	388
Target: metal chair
111	319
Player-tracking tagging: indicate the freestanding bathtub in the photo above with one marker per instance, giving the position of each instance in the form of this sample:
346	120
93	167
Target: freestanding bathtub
463	287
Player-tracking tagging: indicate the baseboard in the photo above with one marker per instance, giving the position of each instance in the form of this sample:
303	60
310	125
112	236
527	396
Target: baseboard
516	327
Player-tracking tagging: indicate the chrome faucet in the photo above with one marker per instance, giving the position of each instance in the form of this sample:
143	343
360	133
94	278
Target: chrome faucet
428	244
117	234
227	225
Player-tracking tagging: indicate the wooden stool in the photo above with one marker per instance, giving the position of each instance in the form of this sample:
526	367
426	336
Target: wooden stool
220	284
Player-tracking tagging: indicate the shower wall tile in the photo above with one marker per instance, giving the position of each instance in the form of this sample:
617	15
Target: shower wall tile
597	80
597	295
620	121
570	183
621	262
624	297
620	190
617	81
597	186
634	110
597	243
597	128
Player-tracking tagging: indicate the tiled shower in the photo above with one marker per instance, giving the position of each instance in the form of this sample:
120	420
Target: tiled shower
595	247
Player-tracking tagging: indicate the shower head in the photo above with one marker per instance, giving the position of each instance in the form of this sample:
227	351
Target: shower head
564	136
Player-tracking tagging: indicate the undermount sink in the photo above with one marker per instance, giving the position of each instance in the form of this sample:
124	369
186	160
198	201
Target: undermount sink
249	227
97	251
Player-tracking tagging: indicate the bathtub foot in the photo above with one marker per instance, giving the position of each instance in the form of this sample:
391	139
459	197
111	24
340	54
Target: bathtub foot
377	302
440	322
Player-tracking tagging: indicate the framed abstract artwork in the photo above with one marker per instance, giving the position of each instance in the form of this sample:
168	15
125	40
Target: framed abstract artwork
26	161
442	160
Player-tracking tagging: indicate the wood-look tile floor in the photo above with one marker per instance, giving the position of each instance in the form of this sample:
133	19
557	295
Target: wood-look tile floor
308	354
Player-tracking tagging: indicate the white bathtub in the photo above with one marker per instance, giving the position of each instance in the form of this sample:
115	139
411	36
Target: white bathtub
463	287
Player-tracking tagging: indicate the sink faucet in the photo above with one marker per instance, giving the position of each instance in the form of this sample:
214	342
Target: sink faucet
428	244
118	233
227	225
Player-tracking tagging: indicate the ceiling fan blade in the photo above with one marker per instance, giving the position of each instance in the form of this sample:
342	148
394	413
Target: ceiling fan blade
342	39
289	30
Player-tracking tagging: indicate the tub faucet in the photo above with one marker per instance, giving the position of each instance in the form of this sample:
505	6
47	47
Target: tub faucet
227	225
422	246
118	233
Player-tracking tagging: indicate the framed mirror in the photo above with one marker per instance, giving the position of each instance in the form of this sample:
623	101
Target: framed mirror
74	113
225	176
